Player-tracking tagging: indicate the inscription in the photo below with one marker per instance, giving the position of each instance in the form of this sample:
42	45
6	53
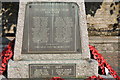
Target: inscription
63	27
40	30
51	28
50	70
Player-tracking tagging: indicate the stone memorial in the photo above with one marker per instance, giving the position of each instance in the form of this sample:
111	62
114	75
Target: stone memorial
51	40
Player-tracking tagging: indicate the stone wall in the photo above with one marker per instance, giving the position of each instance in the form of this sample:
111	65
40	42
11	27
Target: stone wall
104	30
109	47
102	18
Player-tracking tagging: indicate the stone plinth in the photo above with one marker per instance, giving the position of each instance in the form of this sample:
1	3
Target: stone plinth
84	68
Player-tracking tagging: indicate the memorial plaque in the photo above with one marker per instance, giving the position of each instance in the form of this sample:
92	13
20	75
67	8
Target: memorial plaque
51	27
50	70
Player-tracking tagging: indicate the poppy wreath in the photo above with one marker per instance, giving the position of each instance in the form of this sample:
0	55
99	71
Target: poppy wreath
102	63
7	54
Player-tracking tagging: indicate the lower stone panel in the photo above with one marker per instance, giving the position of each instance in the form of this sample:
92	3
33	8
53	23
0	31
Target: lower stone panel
83	68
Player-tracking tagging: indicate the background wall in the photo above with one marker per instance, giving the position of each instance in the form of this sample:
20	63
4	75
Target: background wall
104	30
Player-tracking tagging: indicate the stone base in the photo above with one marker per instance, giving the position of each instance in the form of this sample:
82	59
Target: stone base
84	68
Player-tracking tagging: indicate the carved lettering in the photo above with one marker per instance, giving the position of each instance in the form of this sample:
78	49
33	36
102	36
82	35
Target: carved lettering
49	70
40	30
